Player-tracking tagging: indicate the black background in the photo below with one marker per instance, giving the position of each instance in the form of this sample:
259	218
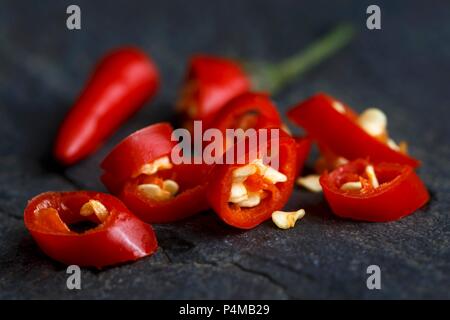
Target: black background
403	69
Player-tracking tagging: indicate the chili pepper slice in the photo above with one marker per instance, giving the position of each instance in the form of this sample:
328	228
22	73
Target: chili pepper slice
192	181
140	172
244	196
118	237
249	110
336	129
132	153
120	84
303	146
210	83
399	193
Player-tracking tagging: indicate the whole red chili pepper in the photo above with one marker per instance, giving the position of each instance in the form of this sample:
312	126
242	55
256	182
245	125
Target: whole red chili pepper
245	195
399	191
118	237
120	84
211	82
139	171
337	131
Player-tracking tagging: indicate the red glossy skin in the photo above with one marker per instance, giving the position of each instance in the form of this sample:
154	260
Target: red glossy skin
120	238
193	182
401	192
215	82
341	134
248	218
121	168
120	84
257	107
141	147
303	145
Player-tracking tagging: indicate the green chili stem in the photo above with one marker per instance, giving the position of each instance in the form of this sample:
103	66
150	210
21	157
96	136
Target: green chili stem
273	77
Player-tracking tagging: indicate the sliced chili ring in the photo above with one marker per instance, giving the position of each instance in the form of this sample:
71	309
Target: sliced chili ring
337	130
140	148
119	238
140	172
273	197
400	192
193	183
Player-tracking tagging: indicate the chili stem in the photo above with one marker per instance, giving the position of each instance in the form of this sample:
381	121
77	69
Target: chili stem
274	77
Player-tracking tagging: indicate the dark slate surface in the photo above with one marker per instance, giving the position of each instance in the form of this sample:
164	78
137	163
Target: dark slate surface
403	69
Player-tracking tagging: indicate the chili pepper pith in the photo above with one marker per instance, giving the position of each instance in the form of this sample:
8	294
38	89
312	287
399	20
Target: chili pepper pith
400	191
120	84
119	238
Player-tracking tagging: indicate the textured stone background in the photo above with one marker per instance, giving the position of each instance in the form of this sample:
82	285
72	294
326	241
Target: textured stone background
404	69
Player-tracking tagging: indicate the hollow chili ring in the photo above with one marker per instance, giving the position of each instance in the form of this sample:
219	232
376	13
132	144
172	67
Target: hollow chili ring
278	194
121	237
400	193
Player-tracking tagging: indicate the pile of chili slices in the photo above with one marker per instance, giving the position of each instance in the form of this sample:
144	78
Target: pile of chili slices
363	173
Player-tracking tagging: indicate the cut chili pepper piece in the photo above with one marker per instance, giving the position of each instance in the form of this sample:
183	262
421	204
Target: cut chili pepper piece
249	110
132	153
400	191
120	84
121	237
192	180
140	172
260	196
303	146
210	83
335	128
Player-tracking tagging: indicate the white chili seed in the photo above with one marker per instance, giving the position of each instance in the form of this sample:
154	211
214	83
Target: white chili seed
94	207
310	182
349	186
286	220
370	172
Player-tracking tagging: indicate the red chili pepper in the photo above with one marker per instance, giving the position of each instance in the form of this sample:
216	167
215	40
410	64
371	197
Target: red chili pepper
141	147
118	237
249	110
191	199
400	191
303	148
122	81
273	196
340	133
210	83
132	164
